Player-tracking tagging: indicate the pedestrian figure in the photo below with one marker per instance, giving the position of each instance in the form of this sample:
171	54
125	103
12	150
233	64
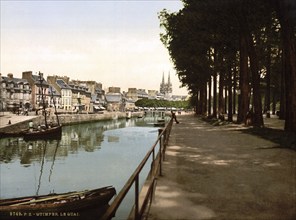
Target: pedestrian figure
9	122
31	126
174	117
249	118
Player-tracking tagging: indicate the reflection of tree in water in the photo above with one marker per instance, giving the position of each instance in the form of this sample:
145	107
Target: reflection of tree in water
9	149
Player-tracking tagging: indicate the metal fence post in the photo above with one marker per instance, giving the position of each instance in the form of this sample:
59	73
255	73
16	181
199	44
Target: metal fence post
137	217
165	142
160	151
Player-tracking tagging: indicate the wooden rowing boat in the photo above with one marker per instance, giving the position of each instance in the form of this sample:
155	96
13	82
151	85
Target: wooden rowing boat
44	134
76	205
4	134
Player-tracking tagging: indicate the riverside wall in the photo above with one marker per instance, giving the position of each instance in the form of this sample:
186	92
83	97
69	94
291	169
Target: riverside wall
65	119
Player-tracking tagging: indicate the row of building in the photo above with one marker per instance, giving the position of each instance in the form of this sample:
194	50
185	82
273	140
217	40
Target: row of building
33	91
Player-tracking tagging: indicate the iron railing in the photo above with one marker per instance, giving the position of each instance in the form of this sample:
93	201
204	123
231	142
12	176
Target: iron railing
142	199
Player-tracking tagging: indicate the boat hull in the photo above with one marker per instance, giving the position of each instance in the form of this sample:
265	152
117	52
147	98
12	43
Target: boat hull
50	133
73	205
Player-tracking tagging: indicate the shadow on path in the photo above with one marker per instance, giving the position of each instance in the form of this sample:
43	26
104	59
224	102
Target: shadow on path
217	172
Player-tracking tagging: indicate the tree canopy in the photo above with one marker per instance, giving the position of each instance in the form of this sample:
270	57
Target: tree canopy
235	56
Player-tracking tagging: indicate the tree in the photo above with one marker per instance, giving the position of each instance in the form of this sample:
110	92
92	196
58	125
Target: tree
234	42
286	11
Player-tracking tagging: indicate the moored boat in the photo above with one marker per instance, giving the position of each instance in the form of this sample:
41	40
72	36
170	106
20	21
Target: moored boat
4	134
77	205
47	131
54	132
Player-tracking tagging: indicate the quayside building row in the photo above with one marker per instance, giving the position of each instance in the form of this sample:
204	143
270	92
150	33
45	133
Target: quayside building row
19	94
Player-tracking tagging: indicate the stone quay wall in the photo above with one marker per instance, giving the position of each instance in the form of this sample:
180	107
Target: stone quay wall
66	119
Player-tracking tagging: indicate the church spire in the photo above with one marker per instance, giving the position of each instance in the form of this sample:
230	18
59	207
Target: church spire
166	88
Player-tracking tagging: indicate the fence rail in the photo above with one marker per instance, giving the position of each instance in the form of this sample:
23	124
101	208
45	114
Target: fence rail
142	199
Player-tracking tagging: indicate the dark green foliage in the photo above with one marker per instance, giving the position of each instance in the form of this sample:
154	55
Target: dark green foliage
253	40
162	103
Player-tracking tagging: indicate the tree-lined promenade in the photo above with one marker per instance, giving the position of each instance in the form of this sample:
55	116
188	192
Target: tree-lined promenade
236	56
225	172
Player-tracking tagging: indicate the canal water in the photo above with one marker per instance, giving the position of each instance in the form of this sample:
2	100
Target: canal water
89	156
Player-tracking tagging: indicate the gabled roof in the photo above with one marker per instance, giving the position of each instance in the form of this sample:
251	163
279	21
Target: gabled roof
52	90
15	80
62	84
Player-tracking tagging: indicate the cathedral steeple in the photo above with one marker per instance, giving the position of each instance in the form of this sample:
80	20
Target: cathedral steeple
166	88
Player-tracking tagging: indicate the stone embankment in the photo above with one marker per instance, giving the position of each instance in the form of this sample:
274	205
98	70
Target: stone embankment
19	123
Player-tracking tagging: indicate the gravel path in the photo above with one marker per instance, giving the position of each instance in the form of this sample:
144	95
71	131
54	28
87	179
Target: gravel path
224	172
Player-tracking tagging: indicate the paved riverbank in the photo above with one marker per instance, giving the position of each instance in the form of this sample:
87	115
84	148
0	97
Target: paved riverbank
225	172
8	119
15	123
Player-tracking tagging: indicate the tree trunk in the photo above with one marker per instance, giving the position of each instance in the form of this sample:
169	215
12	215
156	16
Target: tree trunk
285	15
234	89
210	96
221	97
215	86
282	114
198	103
225	99
229	84
267	92
258	117
273	101
204	93
244	99
202	99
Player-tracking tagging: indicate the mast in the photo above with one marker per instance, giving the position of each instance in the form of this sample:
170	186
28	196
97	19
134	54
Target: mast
55	108
42	97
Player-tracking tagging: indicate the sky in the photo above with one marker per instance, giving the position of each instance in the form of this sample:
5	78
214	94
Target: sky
114	42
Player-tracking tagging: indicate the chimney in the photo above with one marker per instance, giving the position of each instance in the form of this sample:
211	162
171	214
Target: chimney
10	75
27	75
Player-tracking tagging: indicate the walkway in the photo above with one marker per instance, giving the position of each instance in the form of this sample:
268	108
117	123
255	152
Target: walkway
226	173
5	117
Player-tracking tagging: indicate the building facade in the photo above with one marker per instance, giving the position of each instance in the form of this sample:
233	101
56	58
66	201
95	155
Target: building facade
14	94
39	89
114	99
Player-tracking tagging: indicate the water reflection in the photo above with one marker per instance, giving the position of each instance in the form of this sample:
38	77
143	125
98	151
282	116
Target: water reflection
88	137
88	156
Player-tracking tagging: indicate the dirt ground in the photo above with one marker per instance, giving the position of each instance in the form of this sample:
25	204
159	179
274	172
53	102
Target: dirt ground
225	172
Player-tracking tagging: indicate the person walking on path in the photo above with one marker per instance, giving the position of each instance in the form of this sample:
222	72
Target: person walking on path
174	116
